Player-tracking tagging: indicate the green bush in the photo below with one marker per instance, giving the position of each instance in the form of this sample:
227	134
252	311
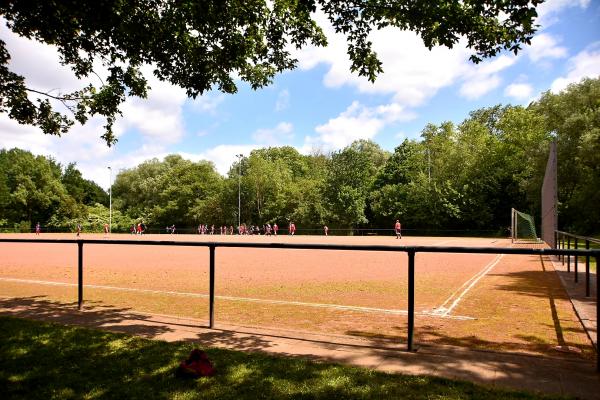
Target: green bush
23	227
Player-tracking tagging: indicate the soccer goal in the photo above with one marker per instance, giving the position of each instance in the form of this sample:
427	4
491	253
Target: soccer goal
522	227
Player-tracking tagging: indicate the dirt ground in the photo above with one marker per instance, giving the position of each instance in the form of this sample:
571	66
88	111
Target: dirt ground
507	303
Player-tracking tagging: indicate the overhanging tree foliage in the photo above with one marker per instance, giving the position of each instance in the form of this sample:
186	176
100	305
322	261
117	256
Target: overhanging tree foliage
201	45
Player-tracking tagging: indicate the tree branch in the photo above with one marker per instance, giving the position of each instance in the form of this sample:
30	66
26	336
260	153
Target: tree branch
60	98
101	81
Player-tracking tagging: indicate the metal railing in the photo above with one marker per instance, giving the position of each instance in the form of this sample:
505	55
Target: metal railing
410	250
559	239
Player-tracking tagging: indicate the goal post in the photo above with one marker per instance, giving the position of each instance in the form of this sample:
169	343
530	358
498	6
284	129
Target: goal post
522	228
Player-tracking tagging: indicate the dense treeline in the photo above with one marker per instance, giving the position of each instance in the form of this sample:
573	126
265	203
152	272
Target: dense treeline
38	189
455	177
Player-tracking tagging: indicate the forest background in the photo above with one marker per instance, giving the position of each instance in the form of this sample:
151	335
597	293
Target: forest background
455	179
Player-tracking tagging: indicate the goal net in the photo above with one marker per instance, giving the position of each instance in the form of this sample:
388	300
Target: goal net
522	227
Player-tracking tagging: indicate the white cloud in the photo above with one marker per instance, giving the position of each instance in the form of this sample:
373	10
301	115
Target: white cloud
482	78
475	88
223	156
38	63
92	156
586	64
159	118
413	74
23	136
393	112
544	46
208	102
283	100
282	132
356	122
81	145
548	12
519	91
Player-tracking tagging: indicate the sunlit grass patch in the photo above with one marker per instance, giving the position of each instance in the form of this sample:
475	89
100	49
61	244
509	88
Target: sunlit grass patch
46	361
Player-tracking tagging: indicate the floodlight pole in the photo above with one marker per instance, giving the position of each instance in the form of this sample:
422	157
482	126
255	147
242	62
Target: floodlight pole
513	227
239	156
110	202
429	164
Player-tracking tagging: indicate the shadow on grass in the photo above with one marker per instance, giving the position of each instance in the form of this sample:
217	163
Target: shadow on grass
434	336
546	283
94	315
44	361
125	320
538	283
532	365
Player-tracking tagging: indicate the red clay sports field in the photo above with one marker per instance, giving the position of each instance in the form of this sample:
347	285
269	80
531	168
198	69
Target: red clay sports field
485	301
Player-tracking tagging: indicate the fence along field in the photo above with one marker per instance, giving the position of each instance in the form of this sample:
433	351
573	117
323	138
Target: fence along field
485	301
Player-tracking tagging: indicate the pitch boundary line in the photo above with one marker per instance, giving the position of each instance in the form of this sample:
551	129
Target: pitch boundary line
245	299
470	283
443	242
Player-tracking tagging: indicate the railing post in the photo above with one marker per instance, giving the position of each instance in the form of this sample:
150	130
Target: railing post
576	263
555	240
587	270
568	255
562	246
411	299
211	305
80	275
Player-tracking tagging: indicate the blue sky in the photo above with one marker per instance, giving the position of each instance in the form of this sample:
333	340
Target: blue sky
320	106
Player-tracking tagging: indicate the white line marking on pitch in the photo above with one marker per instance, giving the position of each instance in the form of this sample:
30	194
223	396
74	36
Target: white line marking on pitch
468	285
246	299
444	242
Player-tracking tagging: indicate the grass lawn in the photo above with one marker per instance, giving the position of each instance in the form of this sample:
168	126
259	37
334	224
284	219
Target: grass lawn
50	361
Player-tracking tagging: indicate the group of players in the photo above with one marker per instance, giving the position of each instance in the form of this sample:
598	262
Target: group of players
138	229
203	229
243	229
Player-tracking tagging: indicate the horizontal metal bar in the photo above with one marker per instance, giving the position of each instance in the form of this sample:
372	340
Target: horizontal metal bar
591	239
317	246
